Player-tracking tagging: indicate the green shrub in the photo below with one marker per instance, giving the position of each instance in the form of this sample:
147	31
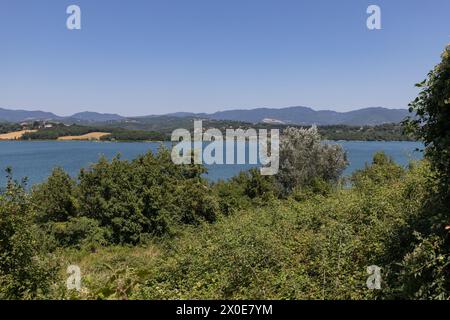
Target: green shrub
147	196
26	270
78	233
231	197
55	198
383	169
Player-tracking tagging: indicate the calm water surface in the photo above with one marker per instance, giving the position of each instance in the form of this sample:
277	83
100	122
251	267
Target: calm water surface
35	159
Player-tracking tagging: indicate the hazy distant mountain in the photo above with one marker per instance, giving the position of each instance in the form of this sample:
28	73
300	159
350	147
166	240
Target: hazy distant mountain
290	115
24	115
96	117
186	114
307	116
7	115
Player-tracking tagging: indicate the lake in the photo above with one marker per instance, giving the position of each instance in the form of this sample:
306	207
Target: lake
35	159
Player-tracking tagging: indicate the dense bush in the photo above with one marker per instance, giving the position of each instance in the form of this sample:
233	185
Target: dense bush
128	200
246	189
78	232
55	198
107	193
382	169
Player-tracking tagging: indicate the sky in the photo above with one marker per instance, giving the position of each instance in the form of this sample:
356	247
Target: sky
141	57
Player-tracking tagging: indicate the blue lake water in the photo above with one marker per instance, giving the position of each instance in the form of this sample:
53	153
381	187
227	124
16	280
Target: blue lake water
35	159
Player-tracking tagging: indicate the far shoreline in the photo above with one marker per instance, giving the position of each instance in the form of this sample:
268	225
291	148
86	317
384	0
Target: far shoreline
162	141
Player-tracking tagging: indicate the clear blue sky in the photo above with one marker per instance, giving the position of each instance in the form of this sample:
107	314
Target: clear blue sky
141	57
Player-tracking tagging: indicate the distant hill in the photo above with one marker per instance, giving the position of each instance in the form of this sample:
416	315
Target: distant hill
307	116
96	117
7	115
290	115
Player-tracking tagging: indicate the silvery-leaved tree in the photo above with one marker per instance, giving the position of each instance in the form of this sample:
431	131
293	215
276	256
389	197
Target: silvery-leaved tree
305	159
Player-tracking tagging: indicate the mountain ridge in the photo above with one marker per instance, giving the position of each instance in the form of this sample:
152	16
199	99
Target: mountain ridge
306	116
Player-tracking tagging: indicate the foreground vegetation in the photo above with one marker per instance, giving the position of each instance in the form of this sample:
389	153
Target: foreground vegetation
285	249
237	239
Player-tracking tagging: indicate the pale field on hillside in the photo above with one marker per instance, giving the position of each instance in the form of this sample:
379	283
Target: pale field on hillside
87	136
14	135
